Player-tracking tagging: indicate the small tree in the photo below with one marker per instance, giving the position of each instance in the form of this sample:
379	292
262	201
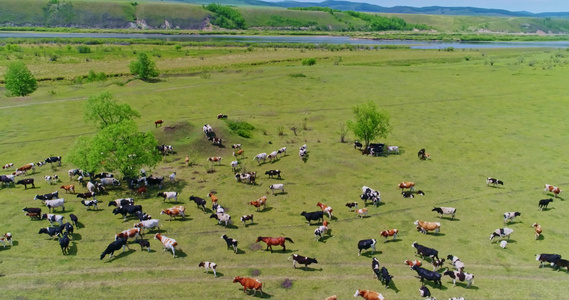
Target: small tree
19	80
370	122
144	68
103	109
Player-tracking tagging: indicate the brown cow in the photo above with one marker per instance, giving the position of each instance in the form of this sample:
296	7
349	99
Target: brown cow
68	188
552	189
406	185
249	284
174	211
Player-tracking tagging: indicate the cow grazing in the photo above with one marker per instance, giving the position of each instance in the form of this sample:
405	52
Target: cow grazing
424	226
52	231
53	218
215	159
424	291
260	156
369	295
114	246
273	155
127	209
68	188
158	122
174	212
456	262
412	263
352	205
249	284
543	203
445	211
142	216
26	181
388	233
501	233
168	195
234	165
34	216
86	195
561	263
358	145
537	229
147	224
53	159
8	166
90	203
362	212
375	268
370	194
303	260
129	233
49	196
207	129
428	275
406	185
273	173
68	229
53	204
221	217
64	243
550	258
34	210
313	216
200	202
393	149
425	251
282	150
325	208
385	277
209	265
503	244
7	179
121	202
366	244
238	152
168	243
7	237
74	219
231	243
51	179
462	276
493	181
110	181
151	180
236	146
274	187
144	243
215	140
509	216
552	189
246	218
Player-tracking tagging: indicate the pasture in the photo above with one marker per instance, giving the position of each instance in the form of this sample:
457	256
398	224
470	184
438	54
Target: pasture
499	113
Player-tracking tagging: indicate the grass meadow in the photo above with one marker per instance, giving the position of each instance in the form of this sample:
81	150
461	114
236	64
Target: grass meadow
496	113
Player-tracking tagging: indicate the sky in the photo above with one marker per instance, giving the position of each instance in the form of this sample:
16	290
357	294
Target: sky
534	6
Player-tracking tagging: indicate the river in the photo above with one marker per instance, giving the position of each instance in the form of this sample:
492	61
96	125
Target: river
291	39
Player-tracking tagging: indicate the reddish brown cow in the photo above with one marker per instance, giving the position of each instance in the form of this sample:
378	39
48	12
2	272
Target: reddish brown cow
406	185
158	122
174	211
68	188
552	189
249	284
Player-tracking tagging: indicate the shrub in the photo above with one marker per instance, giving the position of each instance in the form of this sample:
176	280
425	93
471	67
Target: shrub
83	49
19	80
309	61
297	75
243	129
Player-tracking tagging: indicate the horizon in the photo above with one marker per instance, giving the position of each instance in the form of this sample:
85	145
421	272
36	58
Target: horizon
533	6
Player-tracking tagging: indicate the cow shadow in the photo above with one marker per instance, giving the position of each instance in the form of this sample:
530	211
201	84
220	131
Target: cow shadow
250	224
370	254
451	219
393	286
76	236
309	269
281	193
239	251
438	234
257	295
540	238
179	253
179	219
389	241
464	284
72	249
279	250
79	225
120	255
324	238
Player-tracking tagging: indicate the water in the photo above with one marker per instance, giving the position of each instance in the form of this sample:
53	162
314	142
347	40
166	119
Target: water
291	39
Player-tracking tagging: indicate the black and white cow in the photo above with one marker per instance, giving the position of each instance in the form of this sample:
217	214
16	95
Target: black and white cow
52	231
53	159
493	181
104	175
64	243
426	251
168	195
47	196
53	218
53	204
366	244
246	218
462	276
272	173
86	195
550	258
303	260
424	291
370	194
121	202
456	262
561	263
6	180
543	203
142	216
501	233
74	219
445	211
509	216
128	209
428	275
313	216
352	205
358	145
231	243
154	181
90	203
375	268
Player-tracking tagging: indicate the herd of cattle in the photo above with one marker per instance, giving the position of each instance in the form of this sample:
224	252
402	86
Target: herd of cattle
126	207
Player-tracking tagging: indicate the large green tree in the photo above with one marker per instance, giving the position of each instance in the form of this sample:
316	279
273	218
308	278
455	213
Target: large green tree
143	68
105	111
19	80
370	122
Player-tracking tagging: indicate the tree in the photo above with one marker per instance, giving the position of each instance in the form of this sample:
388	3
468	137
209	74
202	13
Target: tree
119	147
19	80
103	109
370	123
144	68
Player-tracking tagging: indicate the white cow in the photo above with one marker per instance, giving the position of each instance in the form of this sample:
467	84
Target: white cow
260	156
148	224
52	204
278	186
393	149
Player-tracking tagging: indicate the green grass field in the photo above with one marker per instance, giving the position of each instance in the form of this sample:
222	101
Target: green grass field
498	113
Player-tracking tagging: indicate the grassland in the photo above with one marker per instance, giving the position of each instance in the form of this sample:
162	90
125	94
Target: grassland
479	113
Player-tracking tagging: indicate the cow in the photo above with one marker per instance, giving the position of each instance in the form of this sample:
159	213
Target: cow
174	212
26	168
26	181
221	217
370	194
501	233
302	153
273	155
86	195
238	152
493	181
207	129
369	295
64	244
8	166
425	251
325	208
385	277
90	203
7	237
352	205
207	265
406	185
320	231
221	116
53	159
7	179
537	229
543	203
260	156
236	146
561	263
231	243
388	233
366	244
246	218
53	218
34	216
148	224
127	209
313	216
51	179
200	202
52	204
234	165
104	175
424	291
358	145
303	260
158	122
114	246
141	190
362	212
168	195
215	140
272	173
393	149
151	180
110	181
552	189
215	159
48	196
142	216
412	263
428	275
462	276
278	186
129	233
282	150
68	188
456	262
249	284
68	229
375	268
144	243
167	243
445	211
52	231
550	258
424	226
509	216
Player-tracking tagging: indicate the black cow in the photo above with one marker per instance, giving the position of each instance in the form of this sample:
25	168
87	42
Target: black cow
144	243
74	219
49	196
86	195
155	181
426	251
34	210
560	263
358	145
127	209
26	181
114	246
272	173
352	205
68	229
424	291
104	175
64	243
313	216
6	180
199	202
142	216
366	244
550	258
53	159
52	231
421	153
428	275
385	277
231	243
303	260
121	202
375	268
543	203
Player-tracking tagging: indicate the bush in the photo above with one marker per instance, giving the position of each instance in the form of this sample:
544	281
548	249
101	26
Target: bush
83	49
309	61
243	129
297	75
144	68
19	80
